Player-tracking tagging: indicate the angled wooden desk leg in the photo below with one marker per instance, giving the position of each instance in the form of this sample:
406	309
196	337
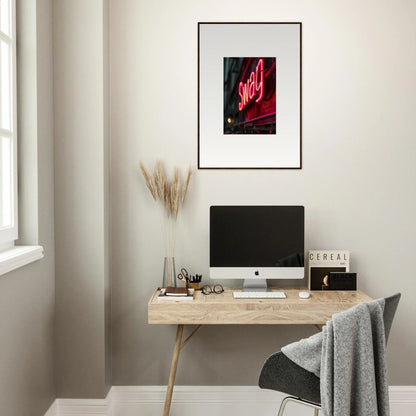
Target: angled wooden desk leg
177	348
173	368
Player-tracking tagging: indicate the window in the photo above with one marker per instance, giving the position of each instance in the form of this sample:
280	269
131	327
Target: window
11	256
8	134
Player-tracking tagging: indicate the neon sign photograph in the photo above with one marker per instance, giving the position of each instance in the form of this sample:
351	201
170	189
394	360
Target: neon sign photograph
249	95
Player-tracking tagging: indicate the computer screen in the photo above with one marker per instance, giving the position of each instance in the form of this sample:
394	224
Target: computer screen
257	242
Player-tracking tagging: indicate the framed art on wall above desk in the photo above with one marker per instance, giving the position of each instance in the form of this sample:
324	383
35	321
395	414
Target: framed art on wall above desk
223	309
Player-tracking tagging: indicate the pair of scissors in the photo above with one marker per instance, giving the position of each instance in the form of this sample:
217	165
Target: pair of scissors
184	275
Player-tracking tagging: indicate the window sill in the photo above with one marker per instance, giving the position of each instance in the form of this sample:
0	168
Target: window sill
19	256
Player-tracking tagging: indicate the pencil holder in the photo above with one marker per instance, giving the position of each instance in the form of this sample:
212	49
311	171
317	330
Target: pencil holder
194	286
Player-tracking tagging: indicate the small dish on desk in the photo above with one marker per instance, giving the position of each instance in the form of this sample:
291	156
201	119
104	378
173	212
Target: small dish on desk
304	295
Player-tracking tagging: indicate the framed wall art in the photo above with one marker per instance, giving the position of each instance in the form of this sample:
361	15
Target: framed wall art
249	95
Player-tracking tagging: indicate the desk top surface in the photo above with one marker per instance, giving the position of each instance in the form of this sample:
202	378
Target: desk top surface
224	309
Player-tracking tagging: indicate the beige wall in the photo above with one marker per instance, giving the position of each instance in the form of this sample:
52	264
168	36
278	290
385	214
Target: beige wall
357	181
81	199
27	294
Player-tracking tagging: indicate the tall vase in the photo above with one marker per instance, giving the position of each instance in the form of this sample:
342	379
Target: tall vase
169	274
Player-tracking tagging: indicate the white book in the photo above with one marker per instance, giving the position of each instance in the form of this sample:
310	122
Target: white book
163	297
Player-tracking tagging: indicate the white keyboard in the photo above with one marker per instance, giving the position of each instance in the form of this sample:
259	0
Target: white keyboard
259	295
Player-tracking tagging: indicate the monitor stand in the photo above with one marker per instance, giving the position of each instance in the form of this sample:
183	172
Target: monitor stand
255	285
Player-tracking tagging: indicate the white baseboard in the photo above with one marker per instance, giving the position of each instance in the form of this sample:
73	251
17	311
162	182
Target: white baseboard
196	400
53	410
84	407
205	401
402	400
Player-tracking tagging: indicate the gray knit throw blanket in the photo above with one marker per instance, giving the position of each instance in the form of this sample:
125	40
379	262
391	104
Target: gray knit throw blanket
349	357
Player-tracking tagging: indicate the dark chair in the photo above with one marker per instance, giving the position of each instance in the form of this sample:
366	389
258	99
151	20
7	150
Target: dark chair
282	374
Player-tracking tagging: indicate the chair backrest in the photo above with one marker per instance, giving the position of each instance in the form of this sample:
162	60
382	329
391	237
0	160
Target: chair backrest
389	311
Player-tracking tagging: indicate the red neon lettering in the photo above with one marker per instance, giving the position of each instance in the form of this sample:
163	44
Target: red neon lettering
254	85
244	94
260	84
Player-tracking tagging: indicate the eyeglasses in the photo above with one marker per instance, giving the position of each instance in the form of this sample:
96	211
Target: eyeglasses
217	289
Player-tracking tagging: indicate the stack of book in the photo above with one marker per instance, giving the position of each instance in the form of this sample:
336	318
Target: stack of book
176	293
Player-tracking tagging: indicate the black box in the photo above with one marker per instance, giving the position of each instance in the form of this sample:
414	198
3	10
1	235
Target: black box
342	281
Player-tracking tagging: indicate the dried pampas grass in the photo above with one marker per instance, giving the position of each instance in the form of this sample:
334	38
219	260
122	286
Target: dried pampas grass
175	194
171	194
160	181
166	200
149	180
186	184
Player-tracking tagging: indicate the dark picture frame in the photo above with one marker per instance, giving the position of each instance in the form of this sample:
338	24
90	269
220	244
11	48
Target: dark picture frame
249	95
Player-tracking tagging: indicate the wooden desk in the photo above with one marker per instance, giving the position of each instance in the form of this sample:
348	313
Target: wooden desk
223	309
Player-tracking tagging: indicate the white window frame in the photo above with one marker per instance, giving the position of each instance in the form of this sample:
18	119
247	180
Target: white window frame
10	234
11	256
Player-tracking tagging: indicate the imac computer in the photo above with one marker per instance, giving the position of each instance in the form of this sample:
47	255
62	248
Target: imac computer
256	243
